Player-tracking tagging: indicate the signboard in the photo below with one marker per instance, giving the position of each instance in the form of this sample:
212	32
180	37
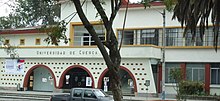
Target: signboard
88	81
105	88
14	66
44	79
130	83
147	83
106	79
67	79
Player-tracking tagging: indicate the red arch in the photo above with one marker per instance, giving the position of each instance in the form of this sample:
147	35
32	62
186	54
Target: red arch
71	67
121	67
25	84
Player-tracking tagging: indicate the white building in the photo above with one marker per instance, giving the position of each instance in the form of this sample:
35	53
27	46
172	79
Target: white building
80	64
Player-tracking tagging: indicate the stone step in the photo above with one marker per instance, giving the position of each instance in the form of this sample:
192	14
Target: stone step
26	95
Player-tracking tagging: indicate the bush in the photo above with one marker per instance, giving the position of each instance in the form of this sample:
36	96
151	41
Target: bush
191	88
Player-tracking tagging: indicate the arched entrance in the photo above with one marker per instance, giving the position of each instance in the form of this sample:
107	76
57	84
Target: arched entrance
39	78
127	80
76	76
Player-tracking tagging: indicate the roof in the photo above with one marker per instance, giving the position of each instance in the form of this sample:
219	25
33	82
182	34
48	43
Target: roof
26	30
133	5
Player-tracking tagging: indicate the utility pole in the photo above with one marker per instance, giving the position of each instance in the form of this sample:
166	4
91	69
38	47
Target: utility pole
163	55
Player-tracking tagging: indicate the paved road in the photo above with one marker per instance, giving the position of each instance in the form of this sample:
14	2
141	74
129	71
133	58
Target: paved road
9	99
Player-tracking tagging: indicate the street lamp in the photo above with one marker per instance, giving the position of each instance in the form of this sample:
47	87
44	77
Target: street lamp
163	54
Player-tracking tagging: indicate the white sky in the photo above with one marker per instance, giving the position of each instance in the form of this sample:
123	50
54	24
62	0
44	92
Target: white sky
5	9
134	0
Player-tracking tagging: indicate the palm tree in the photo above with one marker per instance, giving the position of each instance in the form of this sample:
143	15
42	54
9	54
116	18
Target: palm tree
196	12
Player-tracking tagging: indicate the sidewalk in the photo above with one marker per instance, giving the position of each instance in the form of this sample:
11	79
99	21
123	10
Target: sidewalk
48	94
137	98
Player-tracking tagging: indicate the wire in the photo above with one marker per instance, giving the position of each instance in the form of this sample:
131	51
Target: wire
122	36
74	13
5	3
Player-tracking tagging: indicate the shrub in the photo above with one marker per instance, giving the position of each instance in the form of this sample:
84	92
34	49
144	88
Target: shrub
191	88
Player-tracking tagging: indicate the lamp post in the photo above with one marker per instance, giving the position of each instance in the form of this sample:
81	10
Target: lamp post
163	55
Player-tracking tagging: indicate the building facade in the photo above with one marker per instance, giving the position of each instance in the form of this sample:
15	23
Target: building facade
43	67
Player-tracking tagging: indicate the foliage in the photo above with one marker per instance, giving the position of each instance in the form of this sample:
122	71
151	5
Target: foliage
176	74
56	33
193	12
9	49
185	87
170	4
31	13
191	88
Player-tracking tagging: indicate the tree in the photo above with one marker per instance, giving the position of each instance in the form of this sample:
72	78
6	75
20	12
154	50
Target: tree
112	58
177	75
31	13
193	12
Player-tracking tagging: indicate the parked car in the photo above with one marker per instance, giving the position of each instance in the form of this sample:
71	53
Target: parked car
83	94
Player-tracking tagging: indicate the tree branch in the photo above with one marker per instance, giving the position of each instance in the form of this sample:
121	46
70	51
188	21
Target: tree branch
92	31
107	23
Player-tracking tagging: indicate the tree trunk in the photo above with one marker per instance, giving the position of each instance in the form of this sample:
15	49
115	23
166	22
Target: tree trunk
116	85
113	58
114	71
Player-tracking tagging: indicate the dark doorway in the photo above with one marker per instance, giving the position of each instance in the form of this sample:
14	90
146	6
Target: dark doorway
75	77
155	73
126	80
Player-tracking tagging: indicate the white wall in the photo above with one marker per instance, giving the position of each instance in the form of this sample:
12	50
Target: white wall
29	39
192	55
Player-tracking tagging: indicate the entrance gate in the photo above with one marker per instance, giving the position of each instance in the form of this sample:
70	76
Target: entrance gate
76	77
39	78
127	80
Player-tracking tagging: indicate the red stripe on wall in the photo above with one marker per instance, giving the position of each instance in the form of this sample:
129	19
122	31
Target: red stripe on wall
159	78
183	69
207	78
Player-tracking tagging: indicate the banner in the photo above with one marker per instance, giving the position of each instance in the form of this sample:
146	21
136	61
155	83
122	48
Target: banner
14	66
88	81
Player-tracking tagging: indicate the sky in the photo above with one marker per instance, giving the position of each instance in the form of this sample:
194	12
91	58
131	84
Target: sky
5	9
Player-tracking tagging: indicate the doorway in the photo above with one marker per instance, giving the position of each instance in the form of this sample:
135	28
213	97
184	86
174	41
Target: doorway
40	79
77	77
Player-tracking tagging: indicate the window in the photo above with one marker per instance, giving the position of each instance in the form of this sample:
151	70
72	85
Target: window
89	94
209	36
174	37
215	73
7	41
100	93
193	42
83	38
22	42
195	72
77	93
37	41
137	37
149	36
168	68
128	37
1	43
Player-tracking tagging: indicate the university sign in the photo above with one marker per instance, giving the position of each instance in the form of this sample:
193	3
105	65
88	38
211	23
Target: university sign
61	52
55	53
68	53
79	52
